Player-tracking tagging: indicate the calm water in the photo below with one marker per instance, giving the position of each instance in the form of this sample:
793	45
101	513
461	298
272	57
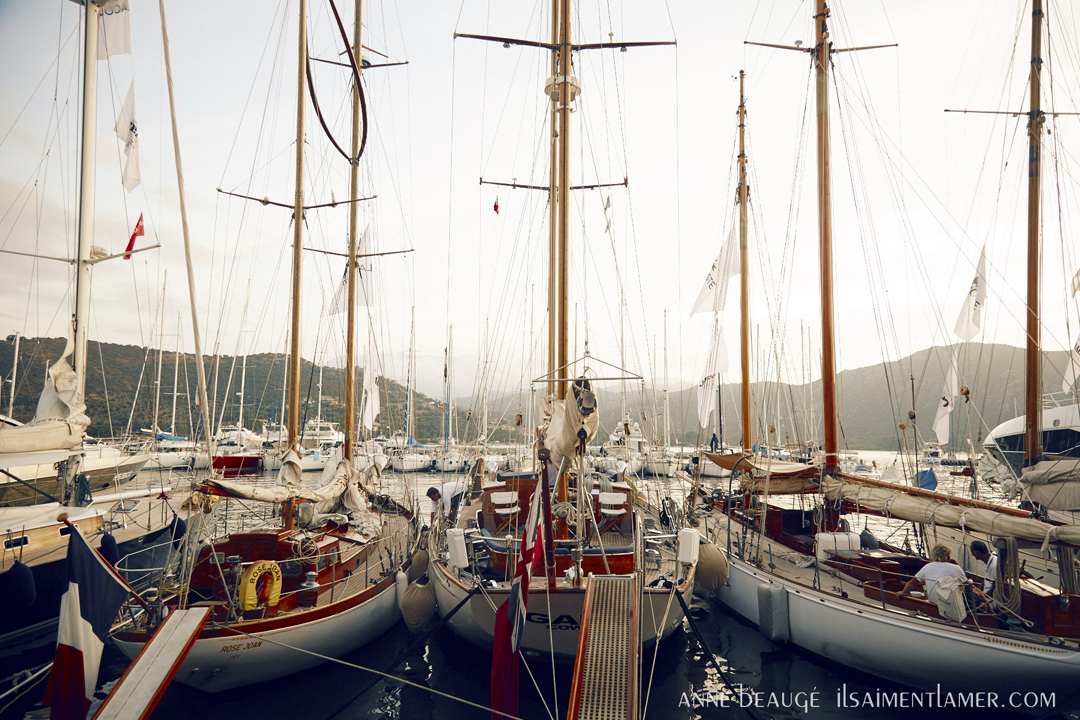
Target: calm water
682	683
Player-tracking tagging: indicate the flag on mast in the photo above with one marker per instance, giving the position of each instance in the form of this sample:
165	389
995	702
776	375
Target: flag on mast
127	130
726	266
114	30
87	610
945	405
970	320
364	296
139	232
371	386
716	363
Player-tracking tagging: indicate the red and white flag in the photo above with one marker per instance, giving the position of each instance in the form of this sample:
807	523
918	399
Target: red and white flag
510	618
496	205
139	232
87	609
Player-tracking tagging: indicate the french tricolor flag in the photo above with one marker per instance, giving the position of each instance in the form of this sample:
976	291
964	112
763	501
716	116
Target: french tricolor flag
87	610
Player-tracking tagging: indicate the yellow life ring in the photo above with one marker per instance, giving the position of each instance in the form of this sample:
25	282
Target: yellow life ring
249	585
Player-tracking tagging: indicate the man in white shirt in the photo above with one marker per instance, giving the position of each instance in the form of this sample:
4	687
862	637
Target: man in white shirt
449	496
980	552
941	566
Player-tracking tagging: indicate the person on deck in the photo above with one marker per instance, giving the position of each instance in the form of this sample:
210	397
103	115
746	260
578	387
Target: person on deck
714	443
449	496
980	552
941	565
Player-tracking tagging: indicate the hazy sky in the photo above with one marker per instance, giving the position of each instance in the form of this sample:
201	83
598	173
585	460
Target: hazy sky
917	192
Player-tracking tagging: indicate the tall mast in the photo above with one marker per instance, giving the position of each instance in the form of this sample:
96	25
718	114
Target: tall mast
564	79
298	238
86	194
667	405
14	375
1033	400
354	193
553	205
822	57
176	377
744	273
160	353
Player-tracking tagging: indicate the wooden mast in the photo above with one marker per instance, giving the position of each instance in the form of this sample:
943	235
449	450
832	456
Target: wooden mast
563	191
354	193
744	273
553	210
822	57
1033	394
298	239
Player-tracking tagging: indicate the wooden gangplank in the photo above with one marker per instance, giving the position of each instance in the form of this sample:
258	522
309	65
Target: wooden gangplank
139	689
605	670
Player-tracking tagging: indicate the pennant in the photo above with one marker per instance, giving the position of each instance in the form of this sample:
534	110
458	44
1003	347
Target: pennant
139	232
945	405
87	610
970	320
128	132
726	266
1076	283
1072	370
364	295
371	387
496	204
114	30
510	618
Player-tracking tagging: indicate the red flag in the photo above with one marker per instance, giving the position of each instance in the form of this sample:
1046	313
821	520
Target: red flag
139	232
510	618
496	206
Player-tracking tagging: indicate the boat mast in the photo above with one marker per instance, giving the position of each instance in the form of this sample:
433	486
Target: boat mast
86	195
160	354
744	273
1033	401
822	59
176	377
354	193
298	238
14	375
667	405
563	78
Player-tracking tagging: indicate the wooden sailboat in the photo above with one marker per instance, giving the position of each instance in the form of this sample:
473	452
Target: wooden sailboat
322	584
599	530
843	601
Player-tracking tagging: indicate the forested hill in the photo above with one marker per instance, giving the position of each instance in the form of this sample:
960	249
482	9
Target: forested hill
119	373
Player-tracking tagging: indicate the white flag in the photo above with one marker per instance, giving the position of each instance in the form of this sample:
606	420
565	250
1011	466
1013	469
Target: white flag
716	363
714	291
1076	283
114	30
363	288
970	320
1072	371
127	130
945	404
371	387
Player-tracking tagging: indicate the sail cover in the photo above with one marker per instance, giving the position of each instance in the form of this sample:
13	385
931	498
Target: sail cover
60	420
892	503
563	419
1054	484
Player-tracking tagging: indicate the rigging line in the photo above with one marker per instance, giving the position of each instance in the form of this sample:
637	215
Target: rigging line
44	76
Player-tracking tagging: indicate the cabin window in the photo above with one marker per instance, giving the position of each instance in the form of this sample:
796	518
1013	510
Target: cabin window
322	561
21	541
65	531
217	558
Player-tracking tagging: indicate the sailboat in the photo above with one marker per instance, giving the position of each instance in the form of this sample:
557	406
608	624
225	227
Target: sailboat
325	582
132	528
801	577
592	525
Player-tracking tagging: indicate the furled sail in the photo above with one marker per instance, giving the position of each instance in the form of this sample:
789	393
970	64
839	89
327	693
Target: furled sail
892	503
60	420
566	422
1054	484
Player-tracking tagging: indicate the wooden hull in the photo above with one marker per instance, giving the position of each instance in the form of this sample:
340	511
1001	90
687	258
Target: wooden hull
103	470
256	651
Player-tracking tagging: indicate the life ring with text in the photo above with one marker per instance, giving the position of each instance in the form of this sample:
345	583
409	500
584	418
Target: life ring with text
252	593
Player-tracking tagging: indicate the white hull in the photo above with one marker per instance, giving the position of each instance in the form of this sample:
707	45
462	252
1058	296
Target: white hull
450	464
897	646
547	631
168	460
223	663
410	462
662	468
